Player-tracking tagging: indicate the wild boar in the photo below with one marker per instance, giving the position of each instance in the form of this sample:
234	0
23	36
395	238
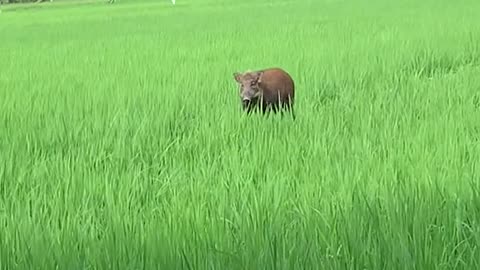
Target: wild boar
269	89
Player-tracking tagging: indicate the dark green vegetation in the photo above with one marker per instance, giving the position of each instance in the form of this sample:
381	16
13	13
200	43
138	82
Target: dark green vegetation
123	145
25	1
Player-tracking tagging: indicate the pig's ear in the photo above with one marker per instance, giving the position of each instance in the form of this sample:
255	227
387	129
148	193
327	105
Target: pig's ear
237	76
258	76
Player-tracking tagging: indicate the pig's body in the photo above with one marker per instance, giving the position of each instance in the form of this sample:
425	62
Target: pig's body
271	88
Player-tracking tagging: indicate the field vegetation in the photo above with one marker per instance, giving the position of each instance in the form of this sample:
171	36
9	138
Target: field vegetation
123	145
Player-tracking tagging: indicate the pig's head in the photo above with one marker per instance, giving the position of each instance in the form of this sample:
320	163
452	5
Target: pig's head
249	89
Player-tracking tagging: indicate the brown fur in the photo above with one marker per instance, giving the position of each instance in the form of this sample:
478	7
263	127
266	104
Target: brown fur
268	89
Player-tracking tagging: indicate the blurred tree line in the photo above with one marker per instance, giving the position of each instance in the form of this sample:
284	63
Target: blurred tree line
23	1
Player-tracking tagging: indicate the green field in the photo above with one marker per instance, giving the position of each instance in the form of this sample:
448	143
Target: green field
123	144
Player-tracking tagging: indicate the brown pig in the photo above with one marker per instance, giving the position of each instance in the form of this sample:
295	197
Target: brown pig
268	89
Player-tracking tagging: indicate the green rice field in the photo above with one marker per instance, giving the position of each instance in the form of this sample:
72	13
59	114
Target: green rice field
123	144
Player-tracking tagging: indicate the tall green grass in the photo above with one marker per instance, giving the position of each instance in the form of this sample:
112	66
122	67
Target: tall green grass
123	146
